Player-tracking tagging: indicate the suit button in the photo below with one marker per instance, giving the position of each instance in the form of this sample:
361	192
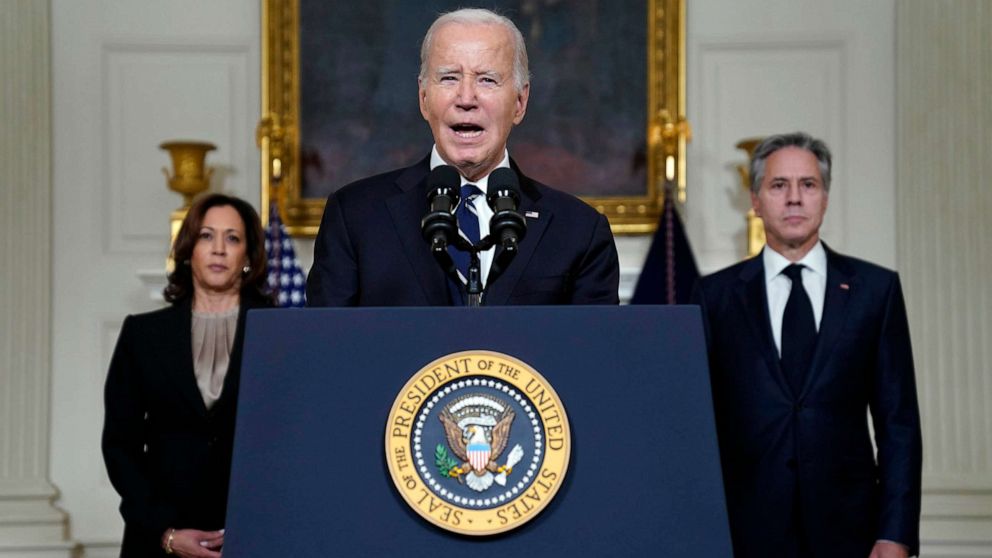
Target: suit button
791	463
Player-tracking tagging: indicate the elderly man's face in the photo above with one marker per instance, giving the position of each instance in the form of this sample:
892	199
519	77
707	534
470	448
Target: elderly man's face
791	201
469	97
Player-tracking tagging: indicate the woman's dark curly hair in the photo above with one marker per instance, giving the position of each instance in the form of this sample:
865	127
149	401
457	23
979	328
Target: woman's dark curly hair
254	284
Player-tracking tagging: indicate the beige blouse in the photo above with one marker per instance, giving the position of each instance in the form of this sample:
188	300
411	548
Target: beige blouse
213	338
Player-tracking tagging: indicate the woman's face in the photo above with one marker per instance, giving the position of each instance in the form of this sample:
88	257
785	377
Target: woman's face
220	252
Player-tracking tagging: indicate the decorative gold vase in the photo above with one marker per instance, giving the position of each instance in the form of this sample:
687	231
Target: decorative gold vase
190	177
755	226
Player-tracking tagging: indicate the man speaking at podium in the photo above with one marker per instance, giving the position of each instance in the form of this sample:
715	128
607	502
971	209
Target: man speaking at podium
473	88
803	343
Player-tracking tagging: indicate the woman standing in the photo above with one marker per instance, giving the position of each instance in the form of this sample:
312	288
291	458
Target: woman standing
172	388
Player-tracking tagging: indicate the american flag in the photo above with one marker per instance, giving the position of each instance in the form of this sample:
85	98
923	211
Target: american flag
286	279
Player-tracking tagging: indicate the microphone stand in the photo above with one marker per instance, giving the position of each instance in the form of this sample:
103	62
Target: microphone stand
473	283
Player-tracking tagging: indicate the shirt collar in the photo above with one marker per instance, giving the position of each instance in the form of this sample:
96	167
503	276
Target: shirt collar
815	260
482	183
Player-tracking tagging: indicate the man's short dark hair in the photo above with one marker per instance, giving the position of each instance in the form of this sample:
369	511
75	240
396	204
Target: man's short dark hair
802	140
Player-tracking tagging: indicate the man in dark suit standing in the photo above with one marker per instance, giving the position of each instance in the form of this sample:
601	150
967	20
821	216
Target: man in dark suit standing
473	88
803	343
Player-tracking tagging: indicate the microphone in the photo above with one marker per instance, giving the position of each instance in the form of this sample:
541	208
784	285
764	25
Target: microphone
507	225
439	226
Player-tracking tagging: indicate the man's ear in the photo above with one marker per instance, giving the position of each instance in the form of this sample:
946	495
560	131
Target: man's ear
422	99
521	106
756	204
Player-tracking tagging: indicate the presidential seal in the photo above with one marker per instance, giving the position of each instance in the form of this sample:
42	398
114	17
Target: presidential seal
477	442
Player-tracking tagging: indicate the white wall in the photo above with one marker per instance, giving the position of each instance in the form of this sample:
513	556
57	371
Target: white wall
127	76
757	67
944	69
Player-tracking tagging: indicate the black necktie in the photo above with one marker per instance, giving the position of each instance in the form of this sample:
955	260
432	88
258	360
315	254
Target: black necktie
468	222
798	331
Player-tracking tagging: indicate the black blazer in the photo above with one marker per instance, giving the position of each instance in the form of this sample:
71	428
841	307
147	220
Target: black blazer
813	449
369	250
167	456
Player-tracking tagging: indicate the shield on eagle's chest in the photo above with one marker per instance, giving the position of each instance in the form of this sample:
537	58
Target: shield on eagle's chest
478	455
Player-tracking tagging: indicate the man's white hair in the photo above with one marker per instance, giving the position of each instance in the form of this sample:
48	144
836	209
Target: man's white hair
479	16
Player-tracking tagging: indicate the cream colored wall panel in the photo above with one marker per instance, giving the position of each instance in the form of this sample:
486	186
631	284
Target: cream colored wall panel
127	76
762	66
755	88
81	416
157	92
109	331
944	76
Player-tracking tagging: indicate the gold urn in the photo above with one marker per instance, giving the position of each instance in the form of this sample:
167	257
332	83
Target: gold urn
755	226
190	177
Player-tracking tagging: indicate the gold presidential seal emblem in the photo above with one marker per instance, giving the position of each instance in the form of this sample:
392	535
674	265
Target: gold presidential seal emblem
477	442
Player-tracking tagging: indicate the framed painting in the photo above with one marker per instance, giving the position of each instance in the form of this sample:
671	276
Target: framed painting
604	120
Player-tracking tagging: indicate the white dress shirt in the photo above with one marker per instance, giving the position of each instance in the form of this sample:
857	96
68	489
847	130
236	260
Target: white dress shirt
778	285
482	209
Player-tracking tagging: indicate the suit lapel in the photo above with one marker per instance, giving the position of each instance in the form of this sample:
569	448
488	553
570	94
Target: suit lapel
406	209
752	295
181	367
498	293
840	283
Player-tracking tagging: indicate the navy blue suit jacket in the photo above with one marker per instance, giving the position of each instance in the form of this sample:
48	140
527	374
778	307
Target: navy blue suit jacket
369	250
811	452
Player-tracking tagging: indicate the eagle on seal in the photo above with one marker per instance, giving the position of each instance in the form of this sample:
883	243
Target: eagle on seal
478	451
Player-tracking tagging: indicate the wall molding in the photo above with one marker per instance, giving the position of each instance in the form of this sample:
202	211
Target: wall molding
722	66
130	174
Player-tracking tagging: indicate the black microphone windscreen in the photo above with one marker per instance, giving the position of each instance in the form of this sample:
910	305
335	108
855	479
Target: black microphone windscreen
444	176
503	178
504	190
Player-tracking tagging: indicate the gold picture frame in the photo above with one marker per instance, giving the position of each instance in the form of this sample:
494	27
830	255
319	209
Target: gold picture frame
667	132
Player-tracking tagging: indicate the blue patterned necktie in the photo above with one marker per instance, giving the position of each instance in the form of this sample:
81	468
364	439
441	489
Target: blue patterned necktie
798	331
468	223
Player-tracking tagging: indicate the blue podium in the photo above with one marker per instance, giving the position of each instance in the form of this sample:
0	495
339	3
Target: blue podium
310	475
